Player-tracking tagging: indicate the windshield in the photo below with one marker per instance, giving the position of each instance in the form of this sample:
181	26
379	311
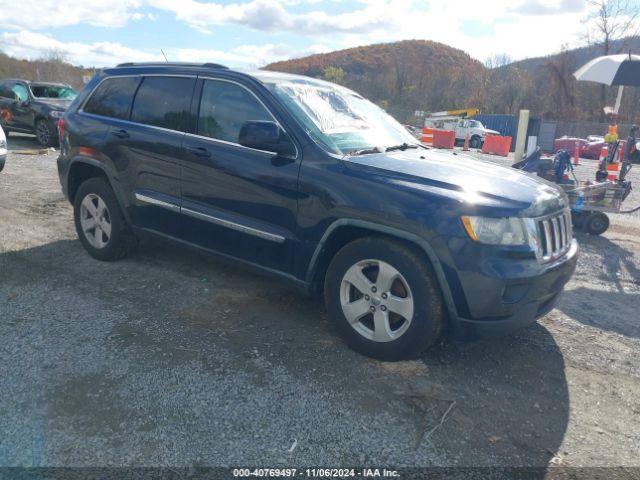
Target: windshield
53	91
338	119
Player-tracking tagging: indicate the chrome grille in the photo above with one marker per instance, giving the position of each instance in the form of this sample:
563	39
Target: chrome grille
554	234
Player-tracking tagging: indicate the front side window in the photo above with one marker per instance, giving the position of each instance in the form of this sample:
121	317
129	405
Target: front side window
20	91
338	119
113	97
53	91
225	107
164	102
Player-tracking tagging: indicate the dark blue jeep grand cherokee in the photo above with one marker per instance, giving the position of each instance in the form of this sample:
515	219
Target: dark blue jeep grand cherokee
311	182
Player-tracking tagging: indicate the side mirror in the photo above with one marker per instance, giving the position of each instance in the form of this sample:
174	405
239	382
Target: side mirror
263	135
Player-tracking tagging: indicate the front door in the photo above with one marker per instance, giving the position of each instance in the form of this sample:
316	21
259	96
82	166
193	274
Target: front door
21	116
237	200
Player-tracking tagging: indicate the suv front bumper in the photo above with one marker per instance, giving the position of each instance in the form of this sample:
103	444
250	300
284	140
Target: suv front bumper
509	304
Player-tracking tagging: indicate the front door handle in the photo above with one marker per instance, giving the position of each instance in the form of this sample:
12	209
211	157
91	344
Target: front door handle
120	133
199	152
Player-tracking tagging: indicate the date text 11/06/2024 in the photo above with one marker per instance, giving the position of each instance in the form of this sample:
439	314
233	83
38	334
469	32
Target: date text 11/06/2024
316	472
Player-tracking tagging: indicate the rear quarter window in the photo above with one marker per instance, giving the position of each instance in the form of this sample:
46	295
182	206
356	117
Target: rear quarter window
164	102
113	97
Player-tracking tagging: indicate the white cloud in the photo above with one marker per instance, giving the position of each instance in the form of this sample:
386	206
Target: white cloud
32	45
273	16
25	44
519	28
39	14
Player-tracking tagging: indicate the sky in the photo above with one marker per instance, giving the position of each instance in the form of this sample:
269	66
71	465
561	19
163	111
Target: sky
253	33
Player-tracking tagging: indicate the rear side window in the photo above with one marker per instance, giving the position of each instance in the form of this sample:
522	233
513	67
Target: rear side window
164	102
224	108
113	97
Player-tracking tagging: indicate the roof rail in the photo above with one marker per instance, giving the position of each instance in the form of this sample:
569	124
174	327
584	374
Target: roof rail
177	64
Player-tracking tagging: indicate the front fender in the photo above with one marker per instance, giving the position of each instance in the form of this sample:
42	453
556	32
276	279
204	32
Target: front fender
393	232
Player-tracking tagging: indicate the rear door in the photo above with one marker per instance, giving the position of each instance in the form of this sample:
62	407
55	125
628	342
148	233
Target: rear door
237	200
148	149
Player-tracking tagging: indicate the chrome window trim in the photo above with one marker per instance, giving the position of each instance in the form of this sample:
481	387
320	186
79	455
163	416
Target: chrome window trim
224	142
136	124
136	75
234	226
160	203
218	79
81	111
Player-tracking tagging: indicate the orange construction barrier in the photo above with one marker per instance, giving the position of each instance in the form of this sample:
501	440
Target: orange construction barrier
496	145
465	147
427	136
444	139
613	167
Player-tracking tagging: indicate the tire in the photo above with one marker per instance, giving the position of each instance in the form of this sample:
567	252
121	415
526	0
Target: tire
44	135
475	142
596	223
405	335
111	238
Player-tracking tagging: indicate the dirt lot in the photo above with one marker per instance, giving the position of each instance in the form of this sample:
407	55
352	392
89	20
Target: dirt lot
172	358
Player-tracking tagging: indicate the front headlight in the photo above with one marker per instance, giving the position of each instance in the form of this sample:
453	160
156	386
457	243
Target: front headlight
56	114
500	231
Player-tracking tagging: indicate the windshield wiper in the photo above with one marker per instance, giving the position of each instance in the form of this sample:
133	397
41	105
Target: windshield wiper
365	151
402	147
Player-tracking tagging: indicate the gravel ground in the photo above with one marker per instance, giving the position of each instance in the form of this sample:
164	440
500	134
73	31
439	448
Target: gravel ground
171	358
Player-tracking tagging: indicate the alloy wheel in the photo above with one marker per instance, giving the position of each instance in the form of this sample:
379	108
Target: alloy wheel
376	300
42	132
95	221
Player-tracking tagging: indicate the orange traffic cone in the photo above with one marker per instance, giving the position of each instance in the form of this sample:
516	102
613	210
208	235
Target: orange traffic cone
603	154
465	147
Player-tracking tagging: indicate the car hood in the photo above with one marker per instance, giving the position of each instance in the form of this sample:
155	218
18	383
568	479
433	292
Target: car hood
467	180
54	103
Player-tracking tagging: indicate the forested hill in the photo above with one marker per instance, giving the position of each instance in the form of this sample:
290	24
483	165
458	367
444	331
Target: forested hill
52	68
401	76
422	75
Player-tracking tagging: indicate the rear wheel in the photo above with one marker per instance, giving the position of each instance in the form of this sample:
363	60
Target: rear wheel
475	142
596	223
383	299
44	135
99	222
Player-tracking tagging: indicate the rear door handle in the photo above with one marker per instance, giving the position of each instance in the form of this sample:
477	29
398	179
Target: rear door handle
199	152
120	133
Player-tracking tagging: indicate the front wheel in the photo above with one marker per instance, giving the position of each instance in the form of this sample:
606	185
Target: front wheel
383	299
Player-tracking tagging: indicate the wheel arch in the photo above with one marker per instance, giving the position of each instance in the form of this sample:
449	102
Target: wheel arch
84	168
343	231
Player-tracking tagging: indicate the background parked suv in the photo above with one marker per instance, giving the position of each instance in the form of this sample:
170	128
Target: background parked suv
34	107
308	181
